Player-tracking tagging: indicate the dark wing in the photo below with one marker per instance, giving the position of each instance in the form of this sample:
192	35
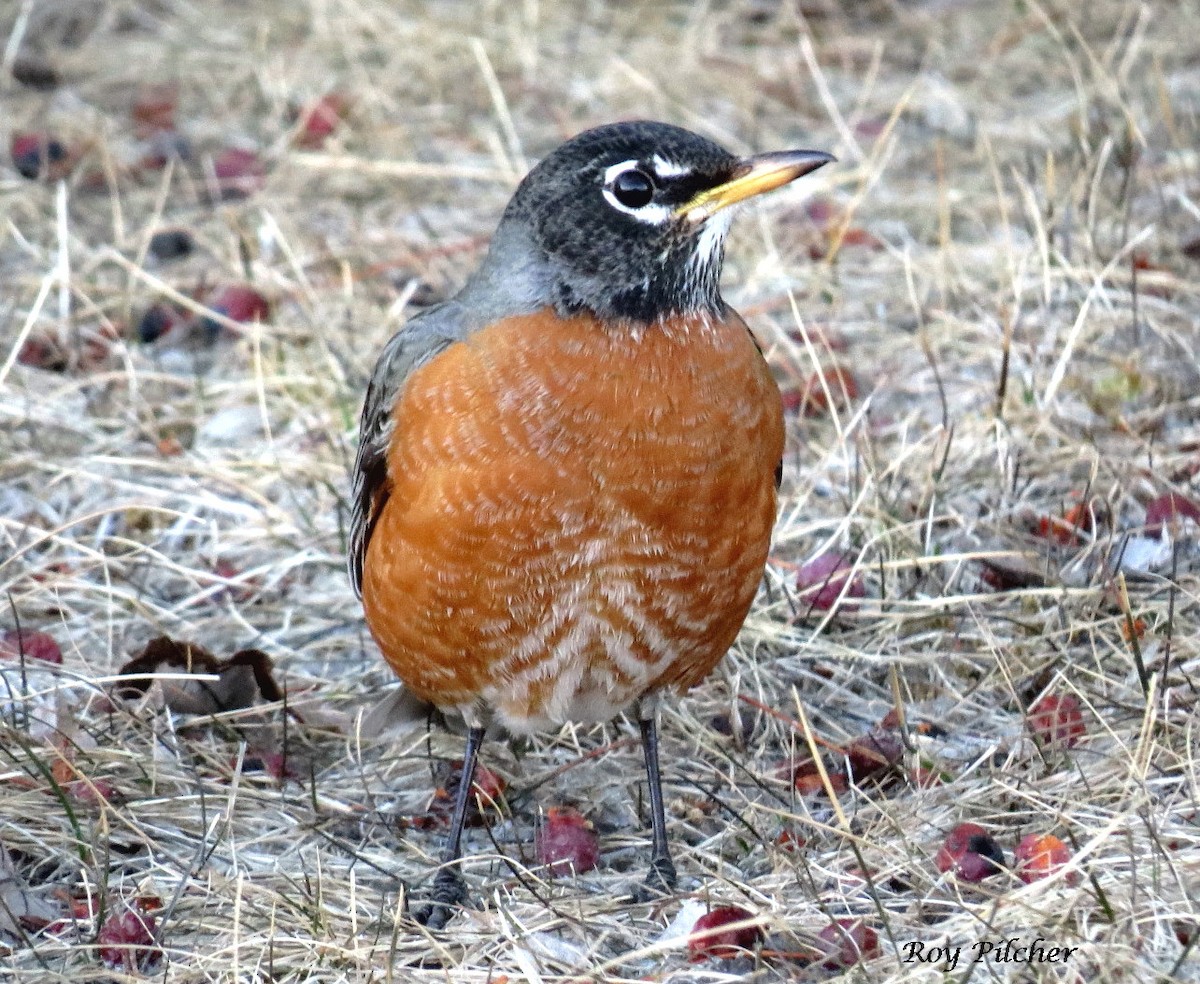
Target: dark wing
754	339
411	347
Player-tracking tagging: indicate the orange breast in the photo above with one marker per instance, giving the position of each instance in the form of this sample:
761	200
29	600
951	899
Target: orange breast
578	515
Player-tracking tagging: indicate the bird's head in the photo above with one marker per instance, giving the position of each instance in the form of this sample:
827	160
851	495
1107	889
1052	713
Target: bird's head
630	219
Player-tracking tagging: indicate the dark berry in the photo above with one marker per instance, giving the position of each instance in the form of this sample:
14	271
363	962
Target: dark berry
157	320
170	244
35	154
971	853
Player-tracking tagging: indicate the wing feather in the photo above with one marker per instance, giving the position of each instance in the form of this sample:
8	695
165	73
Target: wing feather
410	348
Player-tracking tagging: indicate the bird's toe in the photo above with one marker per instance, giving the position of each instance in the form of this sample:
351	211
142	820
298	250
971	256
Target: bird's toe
660	881
449	894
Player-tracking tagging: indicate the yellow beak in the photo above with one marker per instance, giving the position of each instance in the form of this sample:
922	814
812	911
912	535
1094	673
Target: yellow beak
754	176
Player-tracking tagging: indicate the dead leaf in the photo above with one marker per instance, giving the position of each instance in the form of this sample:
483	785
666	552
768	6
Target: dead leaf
22	907
1010	571
240	680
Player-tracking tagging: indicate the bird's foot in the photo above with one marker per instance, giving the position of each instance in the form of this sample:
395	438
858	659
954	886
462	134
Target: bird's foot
449	894
660	881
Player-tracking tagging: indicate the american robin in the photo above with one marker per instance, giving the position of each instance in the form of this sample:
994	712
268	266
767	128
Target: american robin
565	487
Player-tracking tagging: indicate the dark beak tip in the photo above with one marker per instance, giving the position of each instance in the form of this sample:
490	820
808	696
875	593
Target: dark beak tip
802	161
818	158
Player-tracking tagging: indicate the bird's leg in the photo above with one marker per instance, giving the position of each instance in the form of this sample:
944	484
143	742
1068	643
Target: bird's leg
661	878
449	888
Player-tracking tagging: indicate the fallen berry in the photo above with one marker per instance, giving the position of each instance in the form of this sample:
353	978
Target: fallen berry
126	940
30	644
319	119
855	236
821	581
238	302
566	842
171	244
35	72
39	155
157	320
1039	856
276	765
1056	721
41	351
712	937
239	172
971	853
847	942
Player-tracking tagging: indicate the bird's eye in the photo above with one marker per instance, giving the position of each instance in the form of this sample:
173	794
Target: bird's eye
633	188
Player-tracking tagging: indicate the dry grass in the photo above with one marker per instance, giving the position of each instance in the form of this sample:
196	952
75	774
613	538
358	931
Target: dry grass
1011	158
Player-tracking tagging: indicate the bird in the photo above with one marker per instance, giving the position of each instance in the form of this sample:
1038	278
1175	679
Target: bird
565	486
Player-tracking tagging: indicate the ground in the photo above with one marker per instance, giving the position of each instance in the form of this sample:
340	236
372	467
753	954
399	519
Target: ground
1001	269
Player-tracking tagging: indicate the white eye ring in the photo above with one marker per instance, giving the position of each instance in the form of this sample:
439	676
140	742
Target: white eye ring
652	213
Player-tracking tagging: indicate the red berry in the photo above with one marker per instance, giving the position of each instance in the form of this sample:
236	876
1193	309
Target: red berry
126	940
846	942
712	936
242	303
1041	855
239	172
238	302
971	853
1172	509
1056	720
31	644
488	788
566	842
319	119
275	765
821	580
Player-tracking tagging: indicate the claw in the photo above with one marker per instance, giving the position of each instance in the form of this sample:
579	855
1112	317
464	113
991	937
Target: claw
448	896
660	881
